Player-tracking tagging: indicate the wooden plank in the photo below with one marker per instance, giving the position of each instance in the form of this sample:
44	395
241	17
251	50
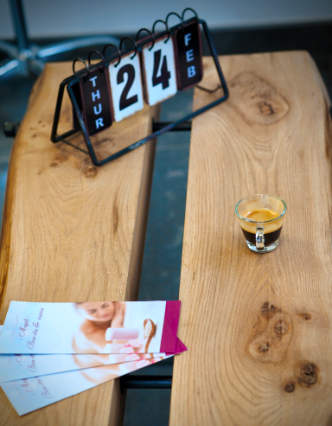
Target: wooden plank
72	232
258	327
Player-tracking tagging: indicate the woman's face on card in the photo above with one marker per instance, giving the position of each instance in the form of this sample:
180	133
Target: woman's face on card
98	311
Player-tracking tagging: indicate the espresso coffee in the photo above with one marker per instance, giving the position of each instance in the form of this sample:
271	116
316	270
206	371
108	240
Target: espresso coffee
269	237
261	217
271	229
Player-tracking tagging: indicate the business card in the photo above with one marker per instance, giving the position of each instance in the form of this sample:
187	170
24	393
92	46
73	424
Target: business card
90	327
14	367
28	395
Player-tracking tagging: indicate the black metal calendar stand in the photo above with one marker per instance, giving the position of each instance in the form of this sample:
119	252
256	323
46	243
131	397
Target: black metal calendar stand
71	81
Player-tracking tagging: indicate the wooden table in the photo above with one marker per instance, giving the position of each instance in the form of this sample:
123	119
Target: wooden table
72	232
258	327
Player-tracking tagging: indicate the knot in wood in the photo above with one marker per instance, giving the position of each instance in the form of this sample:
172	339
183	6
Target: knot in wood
289	387
268	310
271	335
257	100
59	158
308	375
281	327
305	315
263	347
89	170
265	108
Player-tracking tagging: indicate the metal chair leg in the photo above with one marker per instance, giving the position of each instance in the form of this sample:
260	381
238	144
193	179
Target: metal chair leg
25	57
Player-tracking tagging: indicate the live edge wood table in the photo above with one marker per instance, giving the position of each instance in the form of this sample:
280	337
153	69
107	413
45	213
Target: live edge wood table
258	327
72	232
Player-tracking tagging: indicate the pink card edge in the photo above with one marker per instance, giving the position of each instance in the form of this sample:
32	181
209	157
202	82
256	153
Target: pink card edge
179	348
170	328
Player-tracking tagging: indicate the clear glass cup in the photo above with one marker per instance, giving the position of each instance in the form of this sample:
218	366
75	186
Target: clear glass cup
261	219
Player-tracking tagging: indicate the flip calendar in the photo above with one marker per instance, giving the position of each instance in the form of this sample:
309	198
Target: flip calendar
153	69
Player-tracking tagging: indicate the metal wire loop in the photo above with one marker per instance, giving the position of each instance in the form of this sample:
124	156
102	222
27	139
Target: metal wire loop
80	60
166	26
98	53
189	9
107	46
175	14
150	34
133	42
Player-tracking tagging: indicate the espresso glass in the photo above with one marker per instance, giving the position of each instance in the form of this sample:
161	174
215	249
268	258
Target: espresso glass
261	219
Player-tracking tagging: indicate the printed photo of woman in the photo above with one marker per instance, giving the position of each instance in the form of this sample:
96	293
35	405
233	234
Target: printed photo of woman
102	332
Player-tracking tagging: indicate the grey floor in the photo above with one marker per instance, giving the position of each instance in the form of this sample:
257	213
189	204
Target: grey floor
162	255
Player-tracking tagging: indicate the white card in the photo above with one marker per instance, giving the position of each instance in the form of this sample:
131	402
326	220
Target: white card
30	394
159	70
66	328
126	86
14	367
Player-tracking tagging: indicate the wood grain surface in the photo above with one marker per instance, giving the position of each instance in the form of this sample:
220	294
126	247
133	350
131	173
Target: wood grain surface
72	231
258	327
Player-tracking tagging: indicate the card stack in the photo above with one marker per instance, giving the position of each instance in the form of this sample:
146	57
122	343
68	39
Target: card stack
51	351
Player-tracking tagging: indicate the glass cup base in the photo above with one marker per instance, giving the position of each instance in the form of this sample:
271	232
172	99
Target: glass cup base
266	249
